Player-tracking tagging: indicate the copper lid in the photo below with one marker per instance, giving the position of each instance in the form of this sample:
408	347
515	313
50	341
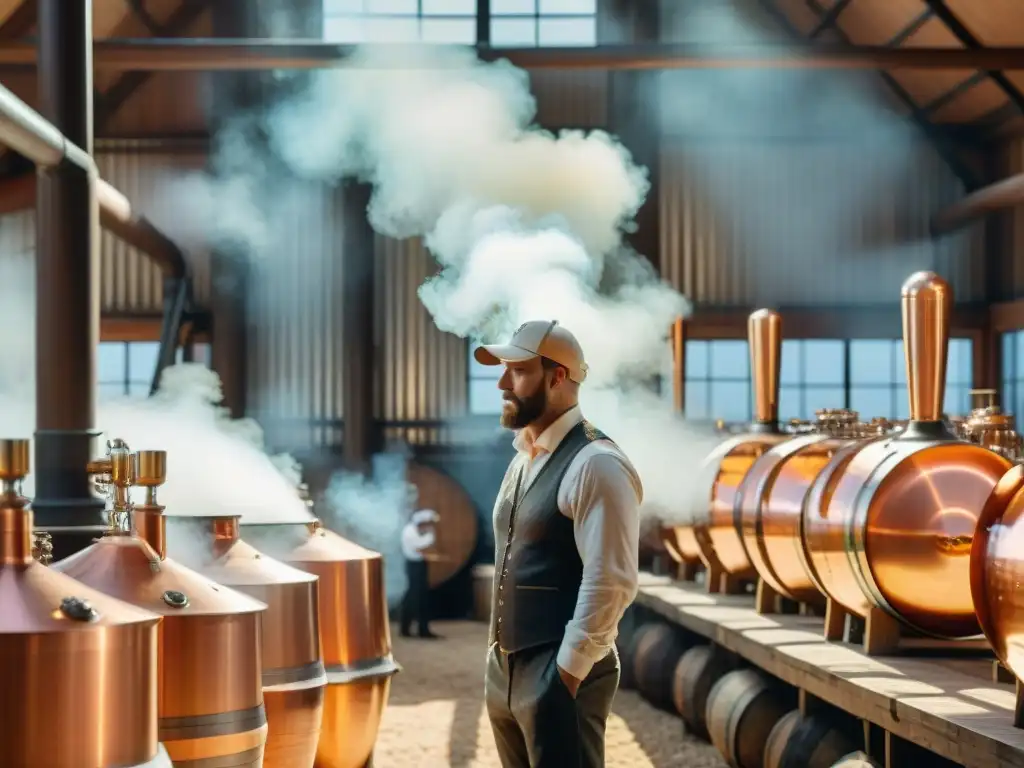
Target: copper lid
36	599
305	542
235	562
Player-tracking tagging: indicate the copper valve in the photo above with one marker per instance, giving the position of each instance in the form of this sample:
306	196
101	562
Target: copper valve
114	476
148	517
15	516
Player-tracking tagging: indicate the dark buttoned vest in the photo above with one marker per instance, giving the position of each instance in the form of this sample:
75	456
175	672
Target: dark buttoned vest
538	569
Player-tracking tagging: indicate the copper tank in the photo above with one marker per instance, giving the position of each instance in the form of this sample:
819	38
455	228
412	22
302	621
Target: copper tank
293	670
771	506
895	523
720	477
354	633
79	668
210	696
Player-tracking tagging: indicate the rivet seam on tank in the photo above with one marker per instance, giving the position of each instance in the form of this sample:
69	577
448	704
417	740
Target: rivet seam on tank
176	599
77	609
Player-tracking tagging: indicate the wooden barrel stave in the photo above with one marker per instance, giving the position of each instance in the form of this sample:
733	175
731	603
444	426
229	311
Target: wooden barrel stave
695	674
800	741
742	709
656	649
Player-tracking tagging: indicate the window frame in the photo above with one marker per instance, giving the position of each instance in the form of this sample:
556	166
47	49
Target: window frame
420	15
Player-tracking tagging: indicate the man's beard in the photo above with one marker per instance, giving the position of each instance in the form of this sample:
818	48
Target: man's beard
524	411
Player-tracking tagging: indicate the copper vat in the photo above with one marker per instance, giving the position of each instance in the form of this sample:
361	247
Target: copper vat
293	670
354	633
56	633
771	506
210	697
718	486
896	522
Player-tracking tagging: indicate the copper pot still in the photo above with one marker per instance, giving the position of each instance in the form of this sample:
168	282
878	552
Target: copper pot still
70	656
293	671
354	633
771	505
720	479
210	693
894	525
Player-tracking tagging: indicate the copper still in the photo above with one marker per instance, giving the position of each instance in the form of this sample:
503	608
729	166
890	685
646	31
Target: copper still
101	652
293	670
354	633
988	426
210	697
771	506
894	526
718	486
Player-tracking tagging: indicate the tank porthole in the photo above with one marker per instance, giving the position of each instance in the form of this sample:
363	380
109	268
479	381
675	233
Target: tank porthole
77	609
175	599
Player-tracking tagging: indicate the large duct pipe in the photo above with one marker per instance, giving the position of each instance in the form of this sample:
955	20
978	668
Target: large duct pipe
1004	194
116	216
205	55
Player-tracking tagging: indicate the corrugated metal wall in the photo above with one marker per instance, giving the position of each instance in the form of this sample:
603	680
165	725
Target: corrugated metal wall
816	223
421	371
295	369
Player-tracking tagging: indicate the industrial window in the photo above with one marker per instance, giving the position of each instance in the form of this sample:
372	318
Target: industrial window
1012	394
865	375
450	22
484	395
125	368
813	377
543	23
878	378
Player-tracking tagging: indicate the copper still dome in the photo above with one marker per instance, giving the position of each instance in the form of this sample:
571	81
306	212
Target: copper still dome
209	632
101	652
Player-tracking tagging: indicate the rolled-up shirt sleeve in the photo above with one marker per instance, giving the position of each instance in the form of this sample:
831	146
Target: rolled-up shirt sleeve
604	504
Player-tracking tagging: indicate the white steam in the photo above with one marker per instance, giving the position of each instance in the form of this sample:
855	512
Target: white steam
524	224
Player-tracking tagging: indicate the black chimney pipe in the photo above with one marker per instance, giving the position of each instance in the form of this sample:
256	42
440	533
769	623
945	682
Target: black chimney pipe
67	295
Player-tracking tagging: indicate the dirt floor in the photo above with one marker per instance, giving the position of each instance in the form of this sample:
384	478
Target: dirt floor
436	715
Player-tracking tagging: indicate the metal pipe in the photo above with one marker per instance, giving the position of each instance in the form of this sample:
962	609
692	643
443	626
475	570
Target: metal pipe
1004	194
26	131
116	216
214	54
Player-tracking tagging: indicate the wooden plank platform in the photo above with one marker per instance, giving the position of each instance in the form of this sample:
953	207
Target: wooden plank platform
948	706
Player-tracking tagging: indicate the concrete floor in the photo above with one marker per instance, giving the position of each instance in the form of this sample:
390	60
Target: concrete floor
436	715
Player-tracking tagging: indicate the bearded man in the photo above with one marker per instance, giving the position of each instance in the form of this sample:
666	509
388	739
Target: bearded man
566	532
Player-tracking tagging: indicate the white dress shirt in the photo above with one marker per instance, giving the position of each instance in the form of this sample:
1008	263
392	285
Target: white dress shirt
414	542
601	494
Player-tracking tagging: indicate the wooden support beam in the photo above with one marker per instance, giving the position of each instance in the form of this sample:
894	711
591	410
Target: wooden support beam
206	55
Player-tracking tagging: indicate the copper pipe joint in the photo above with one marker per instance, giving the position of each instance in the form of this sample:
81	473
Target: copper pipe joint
14	460
764	334
226	531
927	301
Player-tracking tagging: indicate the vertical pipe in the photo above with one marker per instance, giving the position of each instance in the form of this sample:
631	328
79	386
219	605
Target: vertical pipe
67	285
360	440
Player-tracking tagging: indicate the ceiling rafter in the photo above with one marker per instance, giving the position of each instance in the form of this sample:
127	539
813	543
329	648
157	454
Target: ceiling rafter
110	101
830	19
21	20
912	28
934	135
968	40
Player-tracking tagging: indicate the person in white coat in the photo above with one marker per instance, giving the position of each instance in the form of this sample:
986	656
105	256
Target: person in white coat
418	537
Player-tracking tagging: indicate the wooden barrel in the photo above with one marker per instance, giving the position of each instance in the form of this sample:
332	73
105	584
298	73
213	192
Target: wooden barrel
657	648
856	760
624	644
799	741
698	669
743	707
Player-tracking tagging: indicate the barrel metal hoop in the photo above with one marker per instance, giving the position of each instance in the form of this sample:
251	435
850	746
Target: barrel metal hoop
364	669
250	758
739	707
205	726
288	675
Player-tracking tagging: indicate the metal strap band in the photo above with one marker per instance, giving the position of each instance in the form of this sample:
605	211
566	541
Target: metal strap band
251	758
287	675
364	669
205	726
